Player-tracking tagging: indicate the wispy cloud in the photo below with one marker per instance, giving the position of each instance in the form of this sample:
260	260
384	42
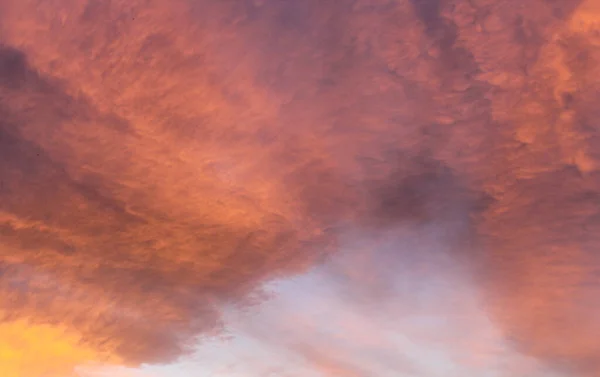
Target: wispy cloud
410	311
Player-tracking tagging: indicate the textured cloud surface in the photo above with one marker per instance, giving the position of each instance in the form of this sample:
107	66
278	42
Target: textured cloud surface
160	159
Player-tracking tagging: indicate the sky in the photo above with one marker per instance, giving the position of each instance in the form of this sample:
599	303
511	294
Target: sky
299	188
318	324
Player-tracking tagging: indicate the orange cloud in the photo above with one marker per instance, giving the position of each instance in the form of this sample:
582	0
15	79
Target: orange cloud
161	158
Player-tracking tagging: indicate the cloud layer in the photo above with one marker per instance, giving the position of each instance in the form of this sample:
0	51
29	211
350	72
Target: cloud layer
160	159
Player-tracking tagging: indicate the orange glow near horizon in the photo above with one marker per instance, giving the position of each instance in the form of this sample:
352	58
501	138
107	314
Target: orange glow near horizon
41	350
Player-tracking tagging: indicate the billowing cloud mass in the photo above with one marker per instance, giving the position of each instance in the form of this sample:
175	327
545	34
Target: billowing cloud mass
161	159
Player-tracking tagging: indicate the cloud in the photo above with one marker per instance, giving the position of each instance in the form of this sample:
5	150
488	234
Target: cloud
162	159
41	350
394	304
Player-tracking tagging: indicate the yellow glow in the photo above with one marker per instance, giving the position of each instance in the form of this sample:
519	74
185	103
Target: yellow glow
28	350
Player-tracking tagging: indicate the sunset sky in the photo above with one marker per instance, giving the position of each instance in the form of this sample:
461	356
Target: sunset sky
310	188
